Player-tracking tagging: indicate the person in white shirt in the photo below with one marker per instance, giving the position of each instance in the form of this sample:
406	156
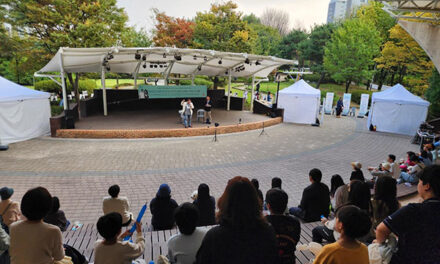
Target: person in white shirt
32	240
187	110
112	250
183	247
115	204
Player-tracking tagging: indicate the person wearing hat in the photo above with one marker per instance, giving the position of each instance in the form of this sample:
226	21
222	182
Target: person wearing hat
9	210
384	170
162	208
357	173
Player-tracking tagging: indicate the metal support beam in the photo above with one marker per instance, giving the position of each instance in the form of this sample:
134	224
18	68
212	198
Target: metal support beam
168	72
63	83
229	89
192	79
104	92
252	93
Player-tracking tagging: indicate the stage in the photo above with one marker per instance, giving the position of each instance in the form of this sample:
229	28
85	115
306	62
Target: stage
163	123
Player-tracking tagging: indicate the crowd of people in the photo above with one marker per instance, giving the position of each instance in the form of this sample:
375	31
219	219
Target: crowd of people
247	227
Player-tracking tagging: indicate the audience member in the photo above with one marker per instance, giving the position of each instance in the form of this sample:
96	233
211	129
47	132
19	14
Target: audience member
56	216
405	164
412	175
32	240
384	170
315	199
183	247
357	173
384	202
417	224
351	223
243	234
395	169
276	183
287	228
429	148
341	196
9	209
117	204
162	208
335	182
4	246
257	187
206	206
425	158
112	250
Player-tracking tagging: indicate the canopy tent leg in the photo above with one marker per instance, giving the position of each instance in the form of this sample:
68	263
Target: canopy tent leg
229	90
63	84
104	91
252	93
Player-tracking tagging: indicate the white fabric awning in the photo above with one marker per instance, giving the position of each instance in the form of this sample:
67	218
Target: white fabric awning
10	91
163	60
301	88
398	94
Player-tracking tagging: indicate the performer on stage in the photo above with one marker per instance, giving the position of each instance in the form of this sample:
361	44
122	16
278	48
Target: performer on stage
187	108
208	106
339	107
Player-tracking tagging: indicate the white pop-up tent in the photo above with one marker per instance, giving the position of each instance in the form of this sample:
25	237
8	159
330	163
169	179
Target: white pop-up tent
300	102
396	110
24	113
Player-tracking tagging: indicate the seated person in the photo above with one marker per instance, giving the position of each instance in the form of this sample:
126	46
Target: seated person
405	164
335	182
183	247
411	175
112	250
315	199
56	216
162	208
385	201
384	170
32	239
417	224
424	157
205	203
4	246
395	169
115	204
357	173
257	187
9	209
351	223
287	228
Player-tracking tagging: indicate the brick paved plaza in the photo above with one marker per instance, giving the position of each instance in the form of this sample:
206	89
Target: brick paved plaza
80	171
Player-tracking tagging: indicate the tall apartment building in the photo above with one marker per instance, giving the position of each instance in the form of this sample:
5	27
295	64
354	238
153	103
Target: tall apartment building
352	5
337	10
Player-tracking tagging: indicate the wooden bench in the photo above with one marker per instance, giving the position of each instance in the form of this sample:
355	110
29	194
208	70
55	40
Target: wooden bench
83	239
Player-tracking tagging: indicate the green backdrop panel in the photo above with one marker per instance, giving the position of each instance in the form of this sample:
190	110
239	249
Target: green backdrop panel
175	91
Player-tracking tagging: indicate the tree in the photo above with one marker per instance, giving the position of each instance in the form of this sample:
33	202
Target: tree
68	23
277	19
170	31
251	19
223	29
350	52
135	38
433	94
268	38
289	47
312	48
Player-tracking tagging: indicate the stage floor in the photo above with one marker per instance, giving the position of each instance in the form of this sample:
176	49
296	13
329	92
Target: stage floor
162	119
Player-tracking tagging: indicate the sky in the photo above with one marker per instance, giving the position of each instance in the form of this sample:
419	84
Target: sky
303	13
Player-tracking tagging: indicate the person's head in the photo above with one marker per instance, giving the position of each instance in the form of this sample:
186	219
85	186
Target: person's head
386	166
186	216
113	191
357	175
385	190
36	203
428	147
429	183
239	205
359	195
55	204
391	158
315	175
335	182
409	154
203	191
255	183
276	182
414	159
276	200
6	193
189	101
208	98
424	154
356	165
164	191
268	93
352	222
109	226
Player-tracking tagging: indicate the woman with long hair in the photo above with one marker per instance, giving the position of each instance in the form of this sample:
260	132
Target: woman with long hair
243	235
206	205
385	200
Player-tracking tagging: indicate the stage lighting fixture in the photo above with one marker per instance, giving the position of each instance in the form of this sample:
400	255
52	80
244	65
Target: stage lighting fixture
216	124
199	68
137	56
151	65
155	65
144	66
257	63
247	61
220	61
104	63
177	57
160	66
110	56
205	59
164	56
144	58
107	68
195	57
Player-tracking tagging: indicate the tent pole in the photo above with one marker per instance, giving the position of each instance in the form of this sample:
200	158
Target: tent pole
63	83
229	90
104	92
252	93
192	79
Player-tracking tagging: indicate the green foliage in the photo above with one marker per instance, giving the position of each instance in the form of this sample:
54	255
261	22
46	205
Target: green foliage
289	47
47	86
198	81
349	55
223	29
56	110
433	94
374	14
135	38
268	40
251	19
52	87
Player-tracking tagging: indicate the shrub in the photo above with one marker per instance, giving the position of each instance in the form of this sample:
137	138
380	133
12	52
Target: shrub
86	85
47	86
52	87
56	110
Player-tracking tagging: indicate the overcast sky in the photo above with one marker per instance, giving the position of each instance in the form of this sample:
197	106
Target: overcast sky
302	13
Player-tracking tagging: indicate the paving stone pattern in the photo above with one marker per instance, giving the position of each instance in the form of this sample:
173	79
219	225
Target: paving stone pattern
79	171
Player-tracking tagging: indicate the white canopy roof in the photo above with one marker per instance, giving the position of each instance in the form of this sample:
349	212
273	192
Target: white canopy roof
398	94
162	60
10	91
301	88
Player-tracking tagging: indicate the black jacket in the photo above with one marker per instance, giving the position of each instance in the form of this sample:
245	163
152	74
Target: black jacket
315	202
162	210
206	211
